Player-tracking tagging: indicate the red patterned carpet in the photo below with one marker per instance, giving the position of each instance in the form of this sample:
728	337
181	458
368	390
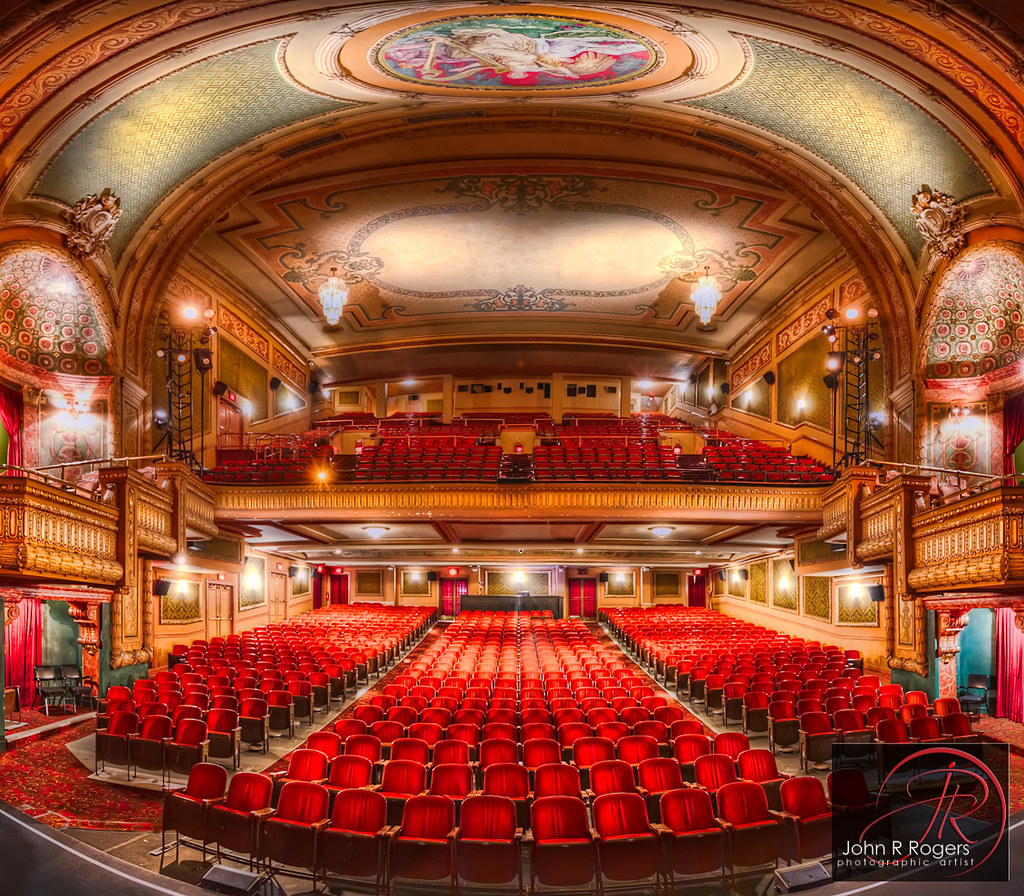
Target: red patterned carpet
43	779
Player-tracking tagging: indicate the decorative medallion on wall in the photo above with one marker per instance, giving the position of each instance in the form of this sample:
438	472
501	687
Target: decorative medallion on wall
978	322
531	49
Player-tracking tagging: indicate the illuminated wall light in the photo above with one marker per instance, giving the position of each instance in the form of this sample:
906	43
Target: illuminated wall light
252	580
852	313
182	586
518	576
801	404
620	577
857	592
415	575
736	575
453	571
190	312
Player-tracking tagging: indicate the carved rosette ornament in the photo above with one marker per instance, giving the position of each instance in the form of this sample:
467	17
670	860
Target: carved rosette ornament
939	218
91	223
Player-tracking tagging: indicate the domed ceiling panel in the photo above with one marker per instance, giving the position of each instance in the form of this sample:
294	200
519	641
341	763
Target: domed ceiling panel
978	325
147	144
494	241
884	143
48	315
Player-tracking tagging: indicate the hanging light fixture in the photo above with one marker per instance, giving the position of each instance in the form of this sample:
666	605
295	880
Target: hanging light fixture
333	292
706	296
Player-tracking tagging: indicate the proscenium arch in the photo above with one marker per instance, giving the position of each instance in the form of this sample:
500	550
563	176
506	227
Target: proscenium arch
195	208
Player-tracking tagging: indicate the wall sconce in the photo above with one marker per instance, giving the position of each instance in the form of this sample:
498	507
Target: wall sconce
74	406
959	412
518	576
620	577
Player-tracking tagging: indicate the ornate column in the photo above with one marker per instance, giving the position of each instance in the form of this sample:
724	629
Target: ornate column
951	621
86	612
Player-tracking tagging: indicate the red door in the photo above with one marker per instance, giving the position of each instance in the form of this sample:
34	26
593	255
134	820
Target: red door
589	587
575	597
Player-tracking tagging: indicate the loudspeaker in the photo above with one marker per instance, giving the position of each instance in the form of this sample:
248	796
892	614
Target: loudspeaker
275	382
431	575
203	359
314	386
725	388
721	575
294	571
693	378
769	378
235	882
876	592
744	575
220	387
801	877
602	577
161	587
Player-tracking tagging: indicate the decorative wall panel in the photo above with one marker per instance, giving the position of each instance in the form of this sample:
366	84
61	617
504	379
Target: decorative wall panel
369	582
415	583
759	582
817	596
799	377
667	584
244	376
505	582
253	590
785	590
854	607
736	586
181	605
624	587
301	581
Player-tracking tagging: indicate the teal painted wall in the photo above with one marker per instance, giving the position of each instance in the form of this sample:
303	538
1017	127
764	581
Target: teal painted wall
977	646
59	635
911	681
126	674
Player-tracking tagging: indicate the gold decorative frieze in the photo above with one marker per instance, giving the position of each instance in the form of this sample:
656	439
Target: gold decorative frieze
974	543
839	513
47	532
567	501
193	502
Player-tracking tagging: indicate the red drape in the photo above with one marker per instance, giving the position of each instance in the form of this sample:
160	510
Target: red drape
1009	667
447	597
10	419
589	595
696	590
1013	429
339	588
23	649
317	583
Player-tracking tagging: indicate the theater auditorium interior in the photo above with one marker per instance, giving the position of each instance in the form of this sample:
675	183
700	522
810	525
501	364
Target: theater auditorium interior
506	446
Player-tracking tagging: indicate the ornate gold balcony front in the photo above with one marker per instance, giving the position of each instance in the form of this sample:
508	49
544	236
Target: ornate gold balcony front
976	543
50	534
576	501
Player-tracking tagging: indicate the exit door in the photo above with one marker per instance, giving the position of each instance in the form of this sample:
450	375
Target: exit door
220	602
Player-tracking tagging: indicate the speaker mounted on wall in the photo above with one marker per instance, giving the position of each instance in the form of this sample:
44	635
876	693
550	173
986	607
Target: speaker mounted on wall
275	383
876	593
162	587
602	577
743	574
220	387
725	388
769	378
721	575
431	575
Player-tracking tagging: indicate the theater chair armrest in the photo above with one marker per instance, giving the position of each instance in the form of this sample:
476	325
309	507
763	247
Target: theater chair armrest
321	824
528	836
518	835
725	825
782	816
453	834
662	829
594	835
642	791
261	814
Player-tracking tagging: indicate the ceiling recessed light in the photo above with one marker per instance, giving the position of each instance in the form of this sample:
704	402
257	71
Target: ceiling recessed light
375	531
645	384
662	531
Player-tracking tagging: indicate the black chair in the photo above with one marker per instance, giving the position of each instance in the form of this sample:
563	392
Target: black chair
50	686
82	688
970	701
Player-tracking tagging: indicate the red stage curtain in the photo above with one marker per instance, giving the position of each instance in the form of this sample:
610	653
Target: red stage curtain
1009	667
10	419
22	649
1013	429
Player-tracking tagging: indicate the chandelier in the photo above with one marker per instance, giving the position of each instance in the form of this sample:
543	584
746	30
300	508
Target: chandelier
706	296
333	292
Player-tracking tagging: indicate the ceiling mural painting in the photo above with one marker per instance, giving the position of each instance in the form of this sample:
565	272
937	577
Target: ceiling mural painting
486	242
533	49
47	314
977	324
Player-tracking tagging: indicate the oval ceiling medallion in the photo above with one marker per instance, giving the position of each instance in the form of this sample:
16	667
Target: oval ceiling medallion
533	49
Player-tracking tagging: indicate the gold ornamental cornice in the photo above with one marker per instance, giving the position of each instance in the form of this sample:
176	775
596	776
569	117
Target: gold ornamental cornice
710	502
839	503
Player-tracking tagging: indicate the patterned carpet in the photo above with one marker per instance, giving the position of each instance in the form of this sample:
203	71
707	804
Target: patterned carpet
43	779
